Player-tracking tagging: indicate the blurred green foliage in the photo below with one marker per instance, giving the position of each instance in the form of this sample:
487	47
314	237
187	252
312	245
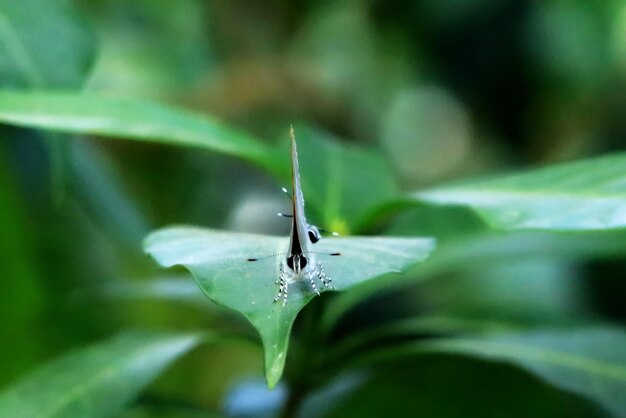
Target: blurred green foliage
391	100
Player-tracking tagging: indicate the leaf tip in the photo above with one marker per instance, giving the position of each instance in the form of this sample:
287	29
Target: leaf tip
274	371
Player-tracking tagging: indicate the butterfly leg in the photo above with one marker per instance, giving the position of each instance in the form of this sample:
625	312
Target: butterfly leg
283	284
311	275
326	281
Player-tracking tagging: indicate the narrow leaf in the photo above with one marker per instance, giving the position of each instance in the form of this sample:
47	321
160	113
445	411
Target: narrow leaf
218	261
96	382
576	196
131	119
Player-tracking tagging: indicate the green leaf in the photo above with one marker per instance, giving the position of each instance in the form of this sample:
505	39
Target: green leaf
218	261
577	196
589	362
95	382
43	43
132	119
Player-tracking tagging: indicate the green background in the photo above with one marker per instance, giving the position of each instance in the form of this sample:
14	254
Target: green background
451	119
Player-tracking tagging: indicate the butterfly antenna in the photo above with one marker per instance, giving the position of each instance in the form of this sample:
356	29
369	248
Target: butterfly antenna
266	257
321	253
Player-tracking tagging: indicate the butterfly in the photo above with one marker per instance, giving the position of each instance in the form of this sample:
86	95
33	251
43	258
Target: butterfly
300	262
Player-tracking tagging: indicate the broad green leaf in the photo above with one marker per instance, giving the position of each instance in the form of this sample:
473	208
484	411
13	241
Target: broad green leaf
96	382
576	196
43	43
218	261
589	362
132	119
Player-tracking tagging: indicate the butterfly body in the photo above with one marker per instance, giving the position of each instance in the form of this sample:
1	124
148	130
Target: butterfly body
300	262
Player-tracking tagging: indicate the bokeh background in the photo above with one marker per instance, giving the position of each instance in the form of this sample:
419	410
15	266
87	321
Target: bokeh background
445	89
